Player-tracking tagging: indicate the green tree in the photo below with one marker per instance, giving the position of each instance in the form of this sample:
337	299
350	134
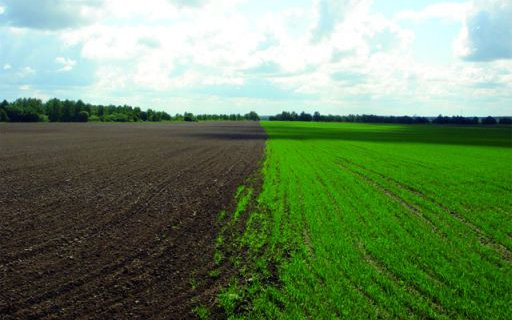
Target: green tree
252	116
489	120
505	120
157	116
3	116
54	109
68	111
82	116
101	111
118	117
34	106
3	111
166	116
79	106
187	116
136	114
305	116
88	108
151	115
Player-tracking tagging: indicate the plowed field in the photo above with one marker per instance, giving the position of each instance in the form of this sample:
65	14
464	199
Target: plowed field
115	220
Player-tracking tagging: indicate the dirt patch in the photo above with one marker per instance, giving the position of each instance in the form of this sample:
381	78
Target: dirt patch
106	221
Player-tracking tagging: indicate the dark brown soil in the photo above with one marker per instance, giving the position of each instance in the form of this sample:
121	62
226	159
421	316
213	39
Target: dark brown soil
102	221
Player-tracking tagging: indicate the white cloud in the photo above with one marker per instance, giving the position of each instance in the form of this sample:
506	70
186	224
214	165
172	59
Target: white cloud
188	3
149	42
50	14
165	11
180	54
369	53
455	11
147	10
7	67
27	71
487	32
330	13
210	53
67	64
2	10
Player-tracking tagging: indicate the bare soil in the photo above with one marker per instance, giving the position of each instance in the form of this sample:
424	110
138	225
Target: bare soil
102	221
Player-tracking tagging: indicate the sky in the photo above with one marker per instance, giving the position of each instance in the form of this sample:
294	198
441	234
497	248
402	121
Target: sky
386	57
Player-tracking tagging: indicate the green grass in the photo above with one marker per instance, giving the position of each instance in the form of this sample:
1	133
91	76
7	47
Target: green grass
378	221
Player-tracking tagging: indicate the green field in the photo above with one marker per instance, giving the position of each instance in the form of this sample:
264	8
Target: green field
376	221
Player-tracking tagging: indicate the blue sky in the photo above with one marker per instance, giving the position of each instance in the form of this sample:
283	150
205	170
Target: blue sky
335	56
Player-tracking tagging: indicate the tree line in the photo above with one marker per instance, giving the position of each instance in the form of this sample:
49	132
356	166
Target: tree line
55	110
228	117
364	118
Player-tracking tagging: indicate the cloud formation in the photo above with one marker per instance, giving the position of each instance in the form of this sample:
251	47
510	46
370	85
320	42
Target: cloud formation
188	3
49	14
66	64
330	13
445	10
487	32
335	56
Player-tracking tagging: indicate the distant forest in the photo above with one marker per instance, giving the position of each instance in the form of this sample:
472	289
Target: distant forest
293	116
55	110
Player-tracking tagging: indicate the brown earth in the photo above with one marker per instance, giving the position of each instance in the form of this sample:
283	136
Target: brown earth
102	221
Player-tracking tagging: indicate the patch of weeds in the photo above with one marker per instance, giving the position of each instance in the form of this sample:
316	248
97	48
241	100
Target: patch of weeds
239	191
219	241
244	197
222	216
202	312
194	283
217	257
230	298
215	273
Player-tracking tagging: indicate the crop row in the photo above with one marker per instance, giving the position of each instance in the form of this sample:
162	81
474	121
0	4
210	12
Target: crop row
370	228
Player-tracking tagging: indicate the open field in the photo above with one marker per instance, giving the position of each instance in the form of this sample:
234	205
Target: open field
377	221
115	221
343	221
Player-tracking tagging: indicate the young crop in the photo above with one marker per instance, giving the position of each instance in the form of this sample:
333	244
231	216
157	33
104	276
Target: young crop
378	221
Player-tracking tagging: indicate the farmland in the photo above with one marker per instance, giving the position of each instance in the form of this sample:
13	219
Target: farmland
115	220
376	221
277	220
